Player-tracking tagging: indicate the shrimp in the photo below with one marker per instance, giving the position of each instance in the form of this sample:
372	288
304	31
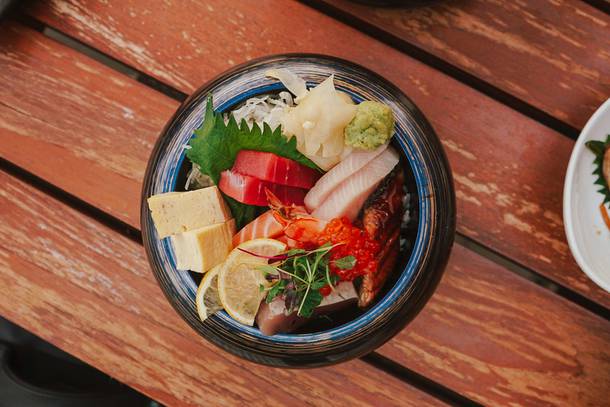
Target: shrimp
300	228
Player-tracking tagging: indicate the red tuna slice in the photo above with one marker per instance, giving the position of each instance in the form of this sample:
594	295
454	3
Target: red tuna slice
276	169
251	190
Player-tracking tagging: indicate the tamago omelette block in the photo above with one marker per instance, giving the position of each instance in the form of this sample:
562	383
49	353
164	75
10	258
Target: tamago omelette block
201	249
177	212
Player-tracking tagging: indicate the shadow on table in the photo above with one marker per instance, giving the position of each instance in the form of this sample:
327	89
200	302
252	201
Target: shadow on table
35	373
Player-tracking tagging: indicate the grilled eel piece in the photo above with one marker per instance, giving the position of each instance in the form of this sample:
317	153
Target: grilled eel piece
381	218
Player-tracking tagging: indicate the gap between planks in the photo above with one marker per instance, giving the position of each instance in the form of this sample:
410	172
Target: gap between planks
179	96
602	5
533	276
102	58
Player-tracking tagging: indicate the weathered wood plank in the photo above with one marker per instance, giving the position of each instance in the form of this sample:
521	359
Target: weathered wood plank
508	169
77	124
89	291
524	340
555	55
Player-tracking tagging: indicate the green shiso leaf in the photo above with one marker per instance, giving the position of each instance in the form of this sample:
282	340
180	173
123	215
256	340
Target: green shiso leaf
216	144
599	149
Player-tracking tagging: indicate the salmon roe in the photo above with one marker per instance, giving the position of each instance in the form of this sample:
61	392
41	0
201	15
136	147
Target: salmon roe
355	242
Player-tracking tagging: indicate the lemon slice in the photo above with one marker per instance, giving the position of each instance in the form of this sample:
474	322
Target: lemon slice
207	300
239	278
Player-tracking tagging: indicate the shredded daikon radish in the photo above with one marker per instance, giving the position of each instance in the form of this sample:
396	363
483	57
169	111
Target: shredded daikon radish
265	109
196	179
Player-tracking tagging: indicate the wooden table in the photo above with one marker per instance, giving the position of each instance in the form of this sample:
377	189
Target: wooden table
86	86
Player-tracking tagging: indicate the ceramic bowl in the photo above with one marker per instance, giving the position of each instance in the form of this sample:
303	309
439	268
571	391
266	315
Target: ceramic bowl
427	232
588	236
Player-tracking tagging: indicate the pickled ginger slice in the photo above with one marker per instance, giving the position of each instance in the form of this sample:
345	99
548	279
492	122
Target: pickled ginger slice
347	199
318	122
293	83
333	146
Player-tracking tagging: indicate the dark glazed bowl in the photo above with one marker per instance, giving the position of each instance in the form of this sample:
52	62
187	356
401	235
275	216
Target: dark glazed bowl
426	235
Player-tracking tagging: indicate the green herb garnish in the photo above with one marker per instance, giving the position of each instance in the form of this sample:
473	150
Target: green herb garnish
275	290
345	263
216	144
599	149
302	275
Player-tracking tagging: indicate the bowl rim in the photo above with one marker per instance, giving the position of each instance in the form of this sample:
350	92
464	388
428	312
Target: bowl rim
442	244
569	227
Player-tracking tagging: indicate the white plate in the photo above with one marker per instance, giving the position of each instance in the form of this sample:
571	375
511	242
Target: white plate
588	236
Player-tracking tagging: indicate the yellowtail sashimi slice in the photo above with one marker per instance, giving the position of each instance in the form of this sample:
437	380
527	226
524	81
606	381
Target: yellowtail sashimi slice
349	196
339	173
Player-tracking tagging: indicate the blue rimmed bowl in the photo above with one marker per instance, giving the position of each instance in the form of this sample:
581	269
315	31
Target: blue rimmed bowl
426	233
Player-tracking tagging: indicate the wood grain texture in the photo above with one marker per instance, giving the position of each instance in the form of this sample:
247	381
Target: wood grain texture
89	291
492	354
525	339
77	124
508	169
555	55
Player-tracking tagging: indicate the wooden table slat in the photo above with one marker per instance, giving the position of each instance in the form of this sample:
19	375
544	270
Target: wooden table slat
89	291
77	123
508	169
456	307
554	55
501	340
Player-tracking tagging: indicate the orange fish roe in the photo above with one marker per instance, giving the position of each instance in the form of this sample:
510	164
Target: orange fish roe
355	242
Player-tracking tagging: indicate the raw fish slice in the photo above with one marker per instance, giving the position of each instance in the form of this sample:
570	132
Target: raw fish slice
325	163
264	226
349	196
272	319
329	181
273	168
251	190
